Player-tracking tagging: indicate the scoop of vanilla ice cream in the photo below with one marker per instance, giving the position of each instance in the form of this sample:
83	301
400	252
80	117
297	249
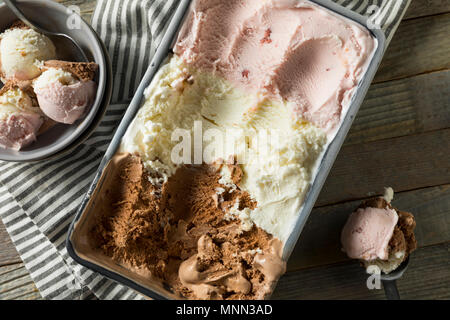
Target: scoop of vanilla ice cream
19	119
22	51
16	100
61	96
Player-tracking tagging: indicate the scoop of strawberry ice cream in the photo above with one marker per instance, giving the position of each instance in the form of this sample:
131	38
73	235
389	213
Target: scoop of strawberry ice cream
367	233
19	130
62	97
20	121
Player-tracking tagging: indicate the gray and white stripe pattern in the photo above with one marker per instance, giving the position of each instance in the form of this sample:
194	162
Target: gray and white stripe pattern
38	201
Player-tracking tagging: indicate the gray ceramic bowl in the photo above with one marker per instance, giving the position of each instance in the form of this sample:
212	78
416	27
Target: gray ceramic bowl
53	16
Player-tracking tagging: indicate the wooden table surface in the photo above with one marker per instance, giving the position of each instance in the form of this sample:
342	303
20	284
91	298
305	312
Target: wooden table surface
400	138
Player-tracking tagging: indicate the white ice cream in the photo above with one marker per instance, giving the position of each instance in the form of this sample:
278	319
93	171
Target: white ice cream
22	51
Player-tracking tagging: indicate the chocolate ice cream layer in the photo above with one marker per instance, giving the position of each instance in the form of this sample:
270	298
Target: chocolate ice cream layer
180	234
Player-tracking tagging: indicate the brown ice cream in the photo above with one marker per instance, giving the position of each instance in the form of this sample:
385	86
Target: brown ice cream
84	71
18	24
180	236
22	85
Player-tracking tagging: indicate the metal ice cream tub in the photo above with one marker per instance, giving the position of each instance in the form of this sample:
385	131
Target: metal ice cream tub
77	244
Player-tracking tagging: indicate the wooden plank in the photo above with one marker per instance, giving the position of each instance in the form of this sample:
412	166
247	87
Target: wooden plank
8	254
427	277
16	283
419	46
29	295
404	163
319	243
420	8
403	107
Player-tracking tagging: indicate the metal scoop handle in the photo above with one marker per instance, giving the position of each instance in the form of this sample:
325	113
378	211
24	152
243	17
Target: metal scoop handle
391	290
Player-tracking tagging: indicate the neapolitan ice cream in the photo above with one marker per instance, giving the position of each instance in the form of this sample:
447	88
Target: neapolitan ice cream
20	117
218	161
379	235
65	90
22	51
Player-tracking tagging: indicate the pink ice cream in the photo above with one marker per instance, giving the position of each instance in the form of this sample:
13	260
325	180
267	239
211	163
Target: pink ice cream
19	130
66	103
287	49
20	119
65	90
367	233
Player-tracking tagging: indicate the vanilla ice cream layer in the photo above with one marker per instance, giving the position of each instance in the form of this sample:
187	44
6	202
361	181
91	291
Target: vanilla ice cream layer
277	152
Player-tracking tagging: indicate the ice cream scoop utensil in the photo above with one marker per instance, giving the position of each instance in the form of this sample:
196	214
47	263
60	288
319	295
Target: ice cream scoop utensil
390	281
61	40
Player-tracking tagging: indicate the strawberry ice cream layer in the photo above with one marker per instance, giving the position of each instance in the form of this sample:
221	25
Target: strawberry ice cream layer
289	50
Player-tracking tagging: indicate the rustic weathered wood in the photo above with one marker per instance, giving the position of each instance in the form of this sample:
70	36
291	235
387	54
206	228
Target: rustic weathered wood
403	107
422	8
319	243
404	163
16	283
427	277
8	253
419	46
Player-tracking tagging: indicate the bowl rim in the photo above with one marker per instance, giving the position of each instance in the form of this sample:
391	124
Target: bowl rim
58	147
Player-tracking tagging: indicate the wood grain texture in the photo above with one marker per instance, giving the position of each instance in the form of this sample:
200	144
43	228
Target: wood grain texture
427	277
404	163
419	46
8	253
403	107
422	8
16	283
319	243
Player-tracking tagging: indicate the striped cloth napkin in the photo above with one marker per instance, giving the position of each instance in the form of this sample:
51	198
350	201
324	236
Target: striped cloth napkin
38	201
